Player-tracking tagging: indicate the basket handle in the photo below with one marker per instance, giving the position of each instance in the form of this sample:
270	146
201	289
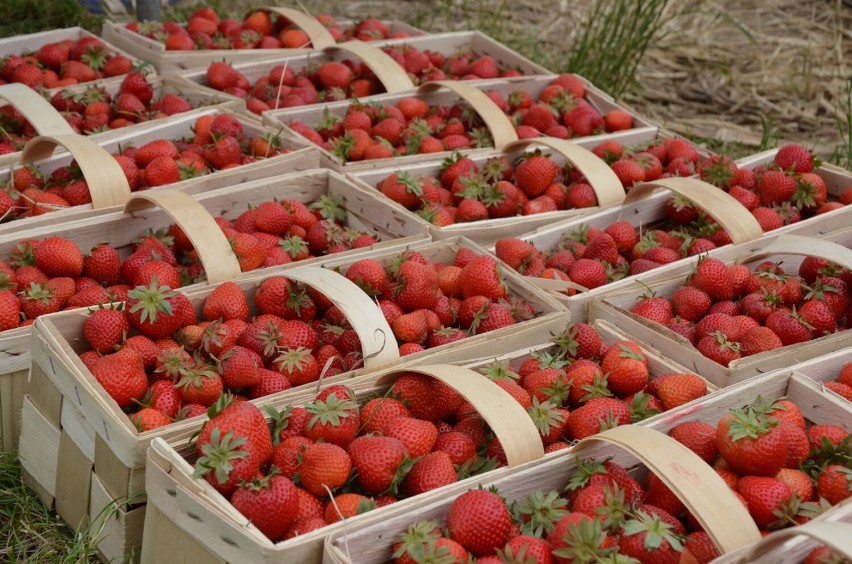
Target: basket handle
377	339
834	534
390	74
107	183
804	246
696	484
724	208
218	258
38	111
510	422
603	180
502	130
319	35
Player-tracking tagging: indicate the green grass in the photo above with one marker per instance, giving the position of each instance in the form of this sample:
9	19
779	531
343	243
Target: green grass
30	532
842	155
29	16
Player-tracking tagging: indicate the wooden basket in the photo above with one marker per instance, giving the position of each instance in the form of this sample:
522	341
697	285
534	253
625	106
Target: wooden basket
77	443
390	74
494	118
48	121
615	309
643	207
172	62
372	539
603	180
30	43
107	183
365	212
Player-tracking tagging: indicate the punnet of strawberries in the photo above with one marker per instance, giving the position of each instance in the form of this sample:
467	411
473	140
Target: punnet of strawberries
286	86
583	385
732	311
43	276
412	126
783	191
95	110
205	29
64	63
784	474
592	257
418	436
219	142
842	385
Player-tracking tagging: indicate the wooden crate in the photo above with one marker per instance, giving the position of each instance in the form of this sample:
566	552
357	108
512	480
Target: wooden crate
48	121
372	539
312	115
169	477
615	308
608	188
391	75
105	178
173	62
365	212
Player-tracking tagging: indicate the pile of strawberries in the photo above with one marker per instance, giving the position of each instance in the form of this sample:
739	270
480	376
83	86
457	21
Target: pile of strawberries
219	143
48	275
582	386
64	63
729	311
843	385
412	126
285	87
419	436
258	30
785	475
95	110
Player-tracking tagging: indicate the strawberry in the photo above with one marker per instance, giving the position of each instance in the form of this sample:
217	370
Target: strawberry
227	301
775	187
717	347
535	173
596	415
269	502
697	436
149	418
712	276
418	286
433	471
655	308
57	256
677	389
298	365
627	368
150	310
334	420
479	521
122	374
834	483
742	434
765	496
377	461
105	329
794	158
648	538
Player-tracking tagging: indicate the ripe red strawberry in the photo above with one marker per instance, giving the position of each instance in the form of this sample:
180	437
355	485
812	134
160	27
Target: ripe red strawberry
757	340
765	496
677	389
270	503
834	484
655	308
334	420
596	415
416	435
122	374
789	327
227	301
57	256
105	329
794	158
690	303
629	172
713	277
650	539
426	397
149	418
150	310
776	187
627	369
479	521
433	471
418	286
699	437
377	461
535	173
717	347
751	443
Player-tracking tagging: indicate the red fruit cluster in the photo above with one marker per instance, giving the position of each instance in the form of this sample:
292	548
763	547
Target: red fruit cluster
785	191
219	143
429	304
285	87
295	335
843	384
46	276
412	126
784	474
421	435
65	63
581	386
258	30
729	311
95	110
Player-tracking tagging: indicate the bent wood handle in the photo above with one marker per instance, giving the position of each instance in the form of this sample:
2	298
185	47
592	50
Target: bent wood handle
721	206
833	534
107	183
696	484
319	35
510	422
601	178
218	258
392	76
38	111
804	246
502	130
377	340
